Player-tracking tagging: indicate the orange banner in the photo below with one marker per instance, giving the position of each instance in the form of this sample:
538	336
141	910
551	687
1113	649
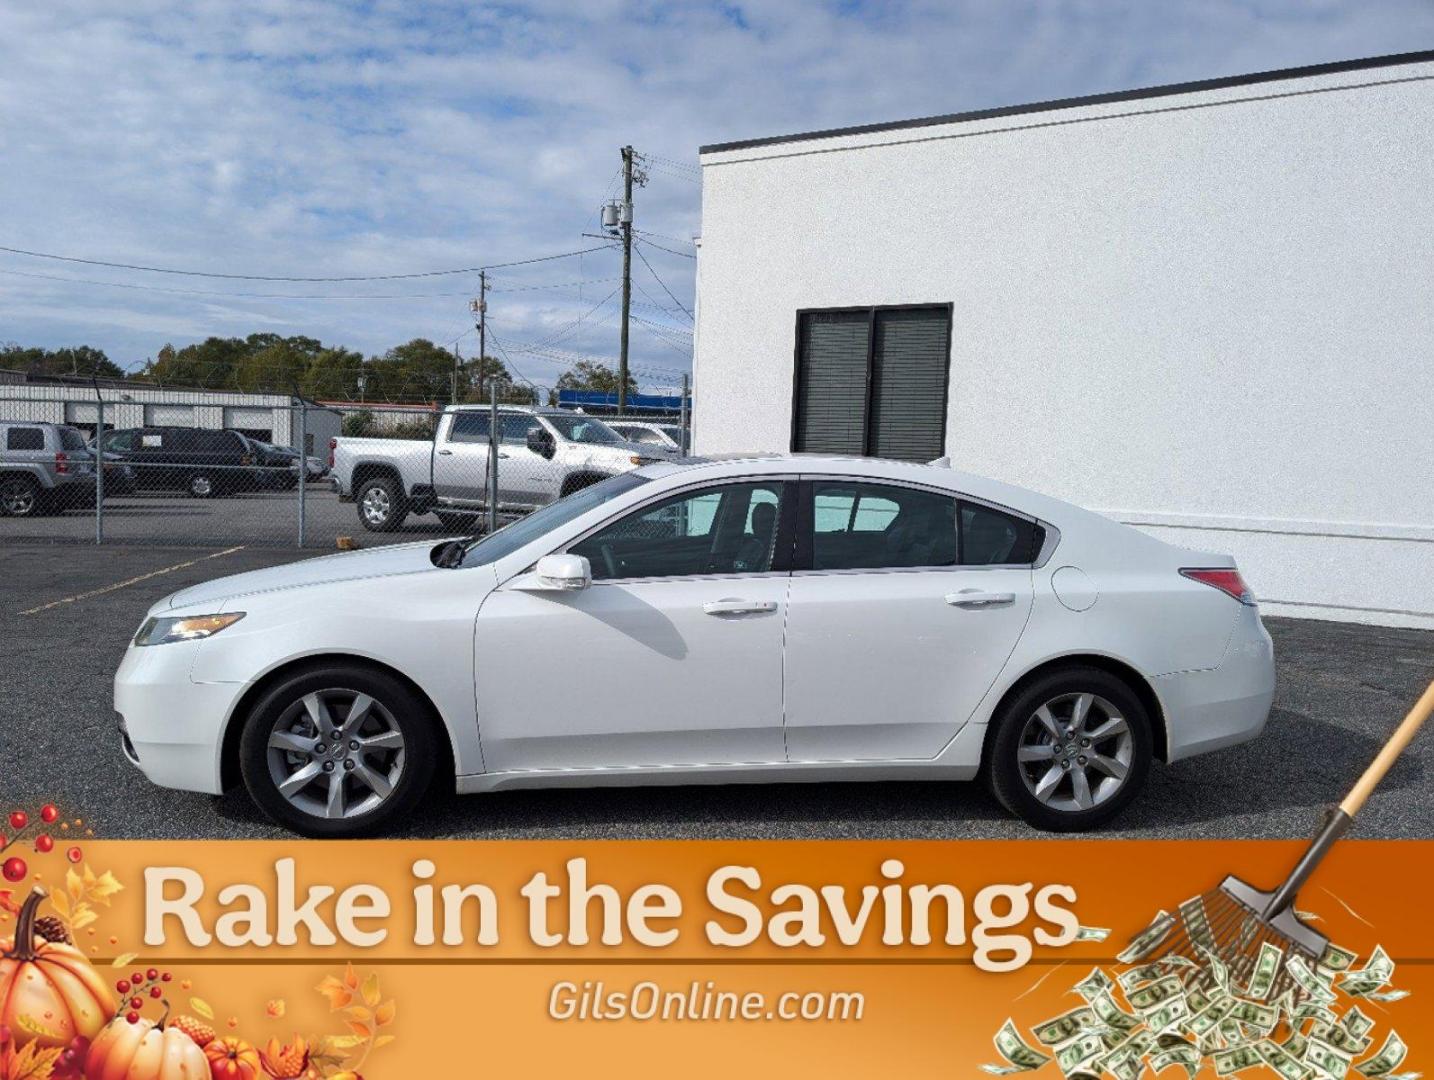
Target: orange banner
804	955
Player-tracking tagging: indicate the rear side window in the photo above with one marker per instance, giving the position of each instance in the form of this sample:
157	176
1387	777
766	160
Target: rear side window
25	438
990	537
469	427
857	526
514	427
70	439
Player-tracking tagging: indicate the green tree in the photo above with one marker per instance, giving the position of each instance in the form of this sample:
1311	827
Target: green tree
592	375
81	360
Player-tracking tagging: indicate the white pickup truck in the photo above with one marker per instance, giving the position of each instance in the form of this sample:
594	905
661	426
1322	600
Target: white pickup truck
543	454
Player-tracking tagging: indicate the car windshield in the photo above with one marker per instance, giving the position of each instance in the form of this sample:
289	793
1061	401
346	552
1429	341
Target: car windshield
582	429
514	535
673	432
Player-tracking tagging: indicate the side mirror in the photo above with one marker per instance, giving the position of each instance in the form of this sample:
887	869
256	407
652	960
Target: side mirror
559	573
541	441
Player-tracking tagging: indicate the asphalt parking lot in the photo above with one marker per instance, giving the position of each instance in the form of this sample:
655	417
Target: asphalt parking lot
267	518
67	611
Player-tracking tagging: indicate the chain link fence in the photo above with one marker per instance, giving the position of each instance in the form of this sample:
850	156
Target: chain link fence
192	468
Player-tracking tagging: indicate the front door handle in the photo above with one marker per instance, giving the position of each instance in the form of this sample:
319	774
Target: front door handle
738	607
972	598
445	453
501	454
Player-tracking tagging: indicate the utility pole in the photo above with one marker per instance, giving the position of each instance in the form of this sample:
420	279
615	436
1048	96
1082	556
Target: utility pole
625	224
482	327
453	385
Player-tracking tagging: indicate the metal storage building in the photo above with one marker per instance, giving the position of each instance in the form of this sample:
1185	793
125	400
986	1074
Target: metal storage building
1204	309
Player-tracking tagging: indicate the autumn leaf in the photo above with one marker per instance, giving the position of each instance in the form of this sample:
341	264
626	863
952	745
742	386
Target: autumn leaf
103	888
343	1042
84	915
383	1040
33	1063
351	979
384	1014
359	1013
371	994
7	902
61	903
202	1007
123	960
276	1008
363	1031
338	994
74	885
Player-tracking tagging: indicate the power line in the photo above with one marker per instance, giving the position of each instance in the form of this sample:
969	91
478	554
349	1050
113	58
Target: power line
665	289
231	295
649	243
554	285
269	277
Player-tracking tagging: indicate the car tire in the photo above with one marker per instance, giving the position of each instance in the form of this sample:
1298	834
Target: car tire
202	486
1070	750
19	497
302	778
381	505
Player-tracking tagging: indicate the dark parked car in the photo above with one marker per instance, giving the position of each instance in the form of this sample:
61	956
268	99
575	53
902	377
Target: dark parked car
201	462
273	465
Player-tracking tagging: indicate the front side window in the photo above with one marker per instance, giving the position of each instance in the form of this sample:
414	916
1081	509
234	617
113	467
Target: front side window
120	441
525	530
25	438
514	427
729	529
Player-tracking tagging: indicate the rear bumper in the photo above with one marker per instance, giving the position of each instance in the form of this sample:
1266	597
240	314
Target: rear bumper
1225	705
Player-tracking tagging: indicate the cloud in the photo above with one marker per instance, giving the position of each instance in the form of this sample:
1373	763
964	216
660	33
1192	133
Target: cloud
313	137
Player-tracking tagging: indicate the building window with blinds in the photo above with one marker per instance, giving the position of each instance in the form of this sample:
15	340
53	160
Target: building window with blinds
873	381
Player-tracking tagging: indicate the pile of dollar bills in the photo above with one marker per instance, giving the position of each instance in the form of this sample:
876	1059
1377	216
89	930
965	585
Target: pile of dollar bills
1302	1020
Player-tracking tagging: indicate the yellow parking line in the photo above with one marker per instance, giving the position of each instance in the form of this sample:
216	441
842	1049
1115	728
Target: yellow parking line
132	581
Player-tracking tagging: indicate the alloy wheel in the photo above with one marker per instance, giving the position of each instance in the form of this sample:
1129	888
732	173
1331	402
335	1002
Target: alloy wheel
17	498
336	754
1075	752
201	486
376	505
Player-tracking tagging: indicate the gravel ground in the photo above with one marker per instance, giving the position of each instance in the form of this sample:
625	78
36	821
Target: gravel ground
1341	689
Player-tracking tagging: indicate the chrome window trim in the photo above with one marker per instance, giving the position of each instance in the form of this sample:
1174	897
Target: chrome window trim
1048	547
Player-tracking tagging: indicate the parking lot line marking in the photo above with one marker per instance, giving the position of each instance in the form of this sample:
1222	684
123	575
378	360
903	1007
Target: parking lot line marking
132	581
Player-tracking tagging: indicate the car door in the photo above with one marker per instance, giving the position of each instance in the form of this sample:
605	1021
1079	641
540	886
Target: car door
460	458
671	657
895	630
525	477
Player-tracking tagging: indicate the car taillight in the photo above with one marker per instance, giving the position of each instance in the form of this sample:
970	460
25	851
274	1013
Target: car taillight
62	463
1227	580
333	445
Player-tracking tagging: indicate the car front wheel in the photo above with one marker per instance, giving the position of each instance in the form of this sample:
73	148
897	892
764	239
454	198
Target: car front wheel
338	751
1070	751
202	486
19	496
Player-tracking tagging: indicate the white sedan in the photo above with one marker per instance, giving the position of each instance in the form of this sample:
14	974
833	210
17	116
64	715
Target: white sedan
738	621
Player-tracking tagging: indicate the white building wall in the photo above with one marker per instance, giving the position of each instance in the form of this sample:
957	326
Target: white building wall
1211	315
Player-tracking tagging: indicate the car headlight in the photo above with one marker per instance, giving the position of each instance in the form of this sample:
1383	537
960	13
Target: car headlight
161	631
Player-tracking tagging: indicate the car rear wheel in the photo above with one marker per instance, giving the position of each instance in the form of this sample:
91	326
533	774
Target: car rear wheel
338	751
202	486
19	496
1070	751
381	506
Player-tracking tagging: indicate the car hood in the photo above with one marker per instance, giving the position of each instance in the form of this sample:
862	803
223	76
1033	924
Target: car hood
346	566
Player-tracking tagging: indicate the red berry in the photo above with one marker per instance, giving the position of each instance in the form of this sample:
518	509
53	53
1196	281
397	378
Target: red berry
14	868
49	813
122	986
137	978
74	854
165	977
19	819
132	1017
155	991
136	1003
152	974
44	843
4	840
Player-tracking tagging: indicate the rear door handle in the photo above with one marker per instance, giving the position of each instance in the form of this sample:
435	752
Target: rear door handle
503	455
738	607
445	452
971	598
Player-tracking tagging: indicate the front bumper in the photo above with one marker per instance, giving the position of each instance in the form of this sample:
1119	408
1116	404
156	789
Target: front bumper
1225	705
173	728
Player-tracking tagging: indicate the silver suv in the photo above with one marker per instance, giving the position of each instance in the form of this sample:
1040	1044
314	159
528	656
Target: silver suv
43	468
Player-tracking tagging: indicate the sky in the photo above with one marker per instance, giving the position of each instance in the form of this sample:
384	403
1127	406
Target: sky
320	138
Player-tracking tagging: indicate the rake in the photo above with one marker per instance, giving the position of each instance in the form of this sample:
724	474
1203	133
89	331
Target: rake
1234	921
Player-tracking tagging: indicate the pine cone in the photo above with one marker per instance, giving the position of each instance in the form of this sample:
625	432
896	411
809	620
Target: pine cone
52	929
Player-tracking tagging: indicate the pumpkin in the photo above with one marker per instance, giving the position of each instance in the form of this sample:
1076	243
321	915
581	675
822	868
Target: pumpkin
232	1059
49	994
144	1050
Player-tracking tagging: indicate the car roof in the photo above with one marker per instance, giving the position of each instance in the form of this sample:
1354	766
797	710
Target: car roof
723	466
